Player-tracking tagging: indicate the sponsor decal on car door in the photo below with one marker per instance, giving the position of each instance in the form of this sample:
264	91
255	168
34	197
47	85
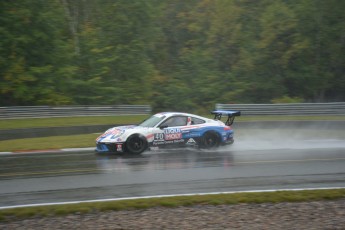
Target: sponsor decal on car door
172	134
168	136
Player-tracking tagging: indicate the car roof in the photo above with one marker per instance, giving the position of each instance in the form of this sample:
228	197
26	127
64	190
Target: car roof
170	114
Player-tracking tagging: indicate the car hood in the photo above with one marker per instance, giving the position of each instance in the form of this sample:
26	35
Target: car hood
119	133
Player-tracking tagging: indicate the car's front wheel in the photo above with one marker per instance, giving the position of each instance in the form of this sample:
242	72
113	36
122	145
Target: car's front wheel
210	140
136	144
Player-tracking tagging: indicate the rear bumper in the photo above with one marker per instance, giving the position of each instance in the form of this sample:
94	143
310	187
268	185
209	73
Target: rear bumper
229	139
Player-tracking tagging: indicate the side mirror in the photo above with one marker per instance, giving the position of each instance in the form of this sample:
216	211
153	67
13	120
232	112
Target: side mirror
163	126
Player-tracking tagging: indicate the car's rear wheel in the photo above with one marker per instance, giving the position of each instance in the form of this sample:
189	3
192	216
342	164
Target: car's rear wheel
136	144
210	140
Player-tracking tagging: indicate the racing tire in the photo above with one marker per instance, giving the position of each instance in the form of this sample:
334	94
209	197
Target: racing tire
210	140
136	144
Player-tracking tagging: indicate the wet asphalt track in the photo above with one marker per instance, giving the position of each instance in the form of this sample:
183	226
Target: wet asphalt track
252	163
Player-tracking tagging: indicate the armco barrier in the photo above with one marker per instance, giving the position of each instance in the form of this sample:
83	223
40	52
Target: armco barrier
336	108
70	111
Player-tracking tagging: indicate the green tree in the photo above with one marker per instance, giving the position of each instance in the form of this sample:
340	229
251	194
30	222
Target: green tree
173	54
114	38
34	60
317	72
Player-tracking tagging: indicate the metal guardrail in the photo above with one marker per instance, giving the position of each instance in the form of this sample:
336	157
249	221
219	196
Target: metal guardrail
336	108
69	111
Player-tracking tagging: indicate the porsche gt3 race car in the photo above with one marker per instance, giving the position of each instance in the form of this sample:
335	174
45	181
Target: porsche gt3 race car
169	129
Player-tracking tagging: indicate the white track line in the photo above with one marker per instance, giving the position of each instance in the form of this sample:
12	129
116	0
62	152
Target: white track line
162	196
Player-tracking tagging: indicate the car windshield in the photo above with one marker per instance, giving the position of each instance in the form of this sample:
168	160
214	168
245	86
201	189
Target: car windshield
152	121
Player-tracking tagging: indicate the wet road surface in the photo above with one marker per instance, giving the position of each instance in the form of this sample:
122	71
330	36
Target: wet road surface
248	165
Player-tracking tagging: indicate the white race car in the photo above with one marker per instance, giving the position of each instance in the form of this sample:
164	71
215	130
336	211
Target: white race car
169	129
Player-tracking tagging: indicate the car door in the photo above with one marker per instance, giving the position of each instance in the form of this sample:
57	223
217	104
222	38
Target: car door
170	131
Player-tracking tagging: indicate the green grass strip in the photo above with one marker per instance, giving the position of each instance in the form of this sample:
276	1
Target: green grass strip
132	119
69	121
53	142
291	118
172	202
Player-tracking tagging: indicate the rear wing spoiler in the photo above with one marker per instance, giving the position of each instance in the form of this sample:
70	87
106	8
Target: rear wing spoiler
231	115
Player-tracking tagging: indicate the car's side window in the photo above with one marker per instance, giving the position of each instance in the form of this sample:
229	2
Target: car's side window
175	121
196	121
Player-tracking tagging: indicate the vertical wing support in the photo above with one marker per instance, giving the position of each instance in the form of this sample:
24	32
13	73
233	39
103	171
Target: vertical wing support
230	114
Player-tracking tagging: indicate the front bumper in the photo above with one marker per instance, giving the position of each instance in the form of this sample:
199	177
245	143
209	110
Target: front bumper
109	147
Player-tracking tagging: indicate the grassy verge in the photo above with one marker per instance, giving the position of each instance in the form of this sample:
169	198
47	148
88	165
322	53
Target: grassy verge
172	202
132	119
291	118
69	121
55	142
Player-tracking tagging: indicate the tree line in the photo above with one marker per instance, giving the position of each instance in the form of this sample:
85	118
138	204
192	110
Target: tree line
171	54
